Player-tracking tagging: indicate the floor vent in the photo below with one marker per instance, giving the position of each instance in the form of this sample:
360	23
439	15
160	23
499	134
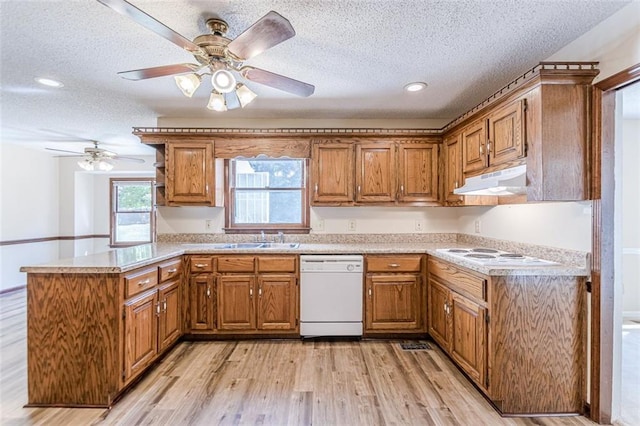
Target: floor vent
415	346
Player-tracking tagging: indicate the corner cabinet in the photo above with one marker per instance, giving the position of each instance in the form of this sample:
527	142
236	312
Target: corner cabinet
189	174
501	330
394	294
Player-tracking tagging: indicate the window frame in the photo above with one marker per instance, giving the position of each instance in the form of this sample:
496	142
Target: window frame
269	228
113	213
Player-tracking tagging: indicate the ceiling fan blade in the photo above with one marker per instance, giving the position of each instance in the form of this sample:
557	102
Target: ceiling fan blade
159	71
129	159
266	32
127	9
278	81
64	150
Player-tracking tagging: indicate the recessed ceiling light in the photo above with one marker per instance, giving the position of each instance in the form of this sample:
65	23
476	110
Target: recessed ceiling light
416	86
49	82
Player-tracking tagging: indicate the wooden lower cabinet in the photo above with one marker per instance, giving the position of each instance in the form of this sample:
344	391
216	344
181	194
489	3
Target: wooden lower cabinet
201	302
170	320
519	338
277	302
394	298
236	302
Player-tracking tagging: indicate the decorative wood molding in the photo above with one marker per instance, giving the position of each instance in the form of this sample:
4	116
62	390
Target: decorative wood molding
283	132
621	79
46	239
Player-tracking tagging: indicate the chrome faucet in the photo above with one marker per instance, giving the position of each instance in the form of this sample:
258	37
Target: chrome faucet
281	237
262	237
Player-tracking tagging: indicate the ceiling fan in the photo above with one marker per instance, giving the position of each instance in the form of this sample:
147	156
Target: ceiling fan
96	158
219	56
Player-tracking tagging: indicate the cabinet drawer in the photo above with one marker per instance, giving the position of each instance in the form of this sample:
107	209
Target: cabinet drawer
201	264
141	280
465	282
277	264
168	270
394	264
236	264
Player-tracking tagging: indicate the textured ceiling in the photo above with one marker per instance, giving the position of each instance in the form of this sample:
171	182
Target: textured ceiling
358	53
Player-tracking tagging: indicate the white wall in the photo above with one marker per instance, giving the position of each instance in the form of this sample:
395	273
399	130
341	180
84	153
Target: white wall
631	217
28	209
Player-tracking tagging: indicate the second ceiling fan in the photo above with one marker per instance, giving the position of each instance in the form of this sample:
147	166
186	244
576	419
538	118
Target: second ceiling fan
219	56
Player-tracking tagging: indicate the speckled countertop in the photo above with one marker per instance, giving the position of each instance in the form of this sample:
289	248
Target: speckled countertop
571	263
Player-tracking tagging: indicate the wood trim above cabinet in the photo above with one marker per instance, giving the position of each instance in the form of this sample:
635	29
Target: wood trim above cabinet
248	147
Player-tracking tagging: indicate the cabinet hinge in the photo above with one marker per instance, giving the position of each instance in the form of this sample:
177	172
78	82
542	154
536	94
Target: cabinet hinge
124	313
486	382
589	286
486	318
297	322
124	375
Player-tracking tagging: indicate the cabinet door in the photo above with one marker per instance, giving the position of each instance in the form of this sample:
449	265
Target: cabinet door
506	134
170	320
468	337
235	295
393	302
190	174
474	154
276	304
202	302
375	173
332	173
141	333
437	313
452	168
418	172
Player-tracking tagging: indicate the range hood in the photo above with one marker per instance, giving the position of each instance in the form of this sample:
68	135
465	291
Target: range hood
511	181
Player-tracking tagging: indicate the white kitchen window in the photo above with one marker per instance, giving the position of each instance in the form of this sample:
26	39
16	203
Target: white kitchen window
132	211
267	194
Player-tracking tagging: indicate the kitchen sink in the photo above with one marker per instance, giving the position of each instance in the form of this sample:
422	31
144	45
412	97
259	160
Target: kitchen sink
231	246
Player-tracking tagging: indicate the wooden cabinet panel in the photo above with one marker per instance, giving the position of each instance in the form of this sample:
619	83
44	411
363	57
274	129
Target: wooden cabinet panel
468	337
393	302
235	295
394	263
462	281
141	338
140	280
199	264
276	304
170	319
332	173
169	270
277	264
417	172
452	168
189	173
236	264
506	133
375	172
201	298
437	313
474	154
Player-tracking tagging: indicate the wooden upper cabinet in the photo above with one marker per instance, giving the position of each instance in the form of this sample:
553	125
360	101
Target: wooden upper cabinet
417	172
332	173
190	173
474	150
375	172
506	133
452	167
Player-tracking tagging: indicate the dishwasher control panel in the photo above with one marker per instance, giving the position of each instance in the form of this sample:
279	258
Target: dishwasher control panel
331	263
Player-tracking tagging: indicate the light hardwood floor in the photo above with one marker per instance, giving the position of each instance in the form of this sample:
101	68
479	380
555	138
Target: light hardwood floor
269	383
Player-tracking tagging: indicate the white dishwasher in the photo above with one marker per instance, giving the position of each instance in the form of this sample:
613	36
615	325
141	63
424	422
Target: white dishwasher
331	291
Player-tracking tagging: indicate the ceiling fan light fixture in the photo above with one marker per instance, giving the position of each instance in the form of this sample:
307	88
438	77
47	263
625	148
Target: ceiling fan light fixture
223	81
90	164
105	165
86	164
217	102
416	86
245	95
188	83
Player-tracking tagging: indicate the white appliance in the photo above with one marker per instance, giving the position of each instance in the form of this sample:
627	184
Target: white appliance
509	181
331	292
493	257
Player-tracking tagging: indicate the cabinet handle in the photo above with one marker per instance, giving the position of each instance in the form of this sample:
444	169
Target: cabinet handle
144	282
445	307
455	184
488	146
199	265
173	271
260	291
481	150
358	189
402	189
251	293
316	189
164	305
208	291
158	308
369	291
394	265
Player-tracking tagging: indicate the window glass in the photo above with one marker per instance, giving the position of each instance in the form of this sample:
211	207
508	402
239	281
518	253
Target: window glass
132	211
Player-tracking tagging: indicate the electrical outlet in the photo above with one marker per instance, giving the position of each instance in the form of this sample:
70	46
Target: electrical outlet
208	224
477	226
351	225
419	225
319	225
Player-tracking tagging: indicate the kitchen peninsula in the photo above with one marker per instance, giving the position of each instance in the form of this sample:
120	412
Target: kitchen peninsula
97	323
